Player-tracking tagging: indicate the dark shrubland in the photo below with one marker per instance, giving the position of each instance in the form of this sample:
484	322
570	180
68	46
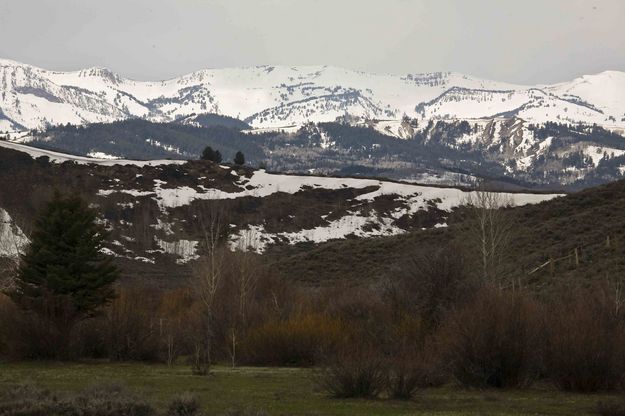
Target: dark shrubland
357	369
296	341
387	341
495	340
585	349
434	317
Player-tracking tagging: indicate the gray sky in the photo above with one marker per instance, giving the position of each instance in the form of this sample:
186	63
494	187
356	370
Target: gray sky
523	41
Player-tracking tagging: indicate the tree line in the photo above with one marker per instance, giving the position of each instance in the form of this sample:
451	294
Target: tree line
215	156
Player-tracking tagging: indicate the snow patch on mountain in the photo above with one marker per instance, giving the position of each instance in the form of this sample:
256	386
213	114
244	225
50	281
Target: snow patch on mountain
97	159
13	241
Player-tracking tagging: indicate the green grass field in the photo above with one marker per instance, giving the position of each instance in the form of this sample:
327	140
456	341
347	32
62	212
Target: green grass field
286	391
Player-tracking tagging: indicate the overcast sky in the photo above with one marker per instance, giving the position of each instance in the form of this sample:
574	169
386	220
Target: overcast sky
522	41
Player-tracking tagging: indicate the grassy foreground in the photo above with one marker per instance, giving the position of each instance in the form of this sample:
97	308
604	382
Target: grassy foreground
286	391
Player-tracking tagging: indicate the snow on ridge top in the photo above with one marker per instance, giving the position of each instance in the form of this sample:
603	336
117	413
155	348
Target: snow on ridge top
11	62
108	160
302	70
274	96
262	184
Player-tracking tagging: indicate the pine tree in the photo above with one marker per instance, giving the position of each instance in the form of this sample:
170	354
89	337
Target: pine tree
239	159
64	277
210	154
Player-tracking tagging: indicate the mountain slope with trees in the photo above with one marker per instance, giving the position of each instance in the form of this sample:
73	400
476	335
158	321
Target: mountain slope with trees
508	151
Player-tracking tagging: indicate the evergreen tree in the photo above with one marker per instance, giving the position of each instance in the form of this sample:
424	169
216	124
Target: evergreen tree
210	154
239	159
64	277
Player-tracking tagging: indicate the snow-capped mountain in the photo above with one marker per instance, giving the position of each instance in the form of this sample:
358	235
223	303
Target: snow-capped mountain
273	97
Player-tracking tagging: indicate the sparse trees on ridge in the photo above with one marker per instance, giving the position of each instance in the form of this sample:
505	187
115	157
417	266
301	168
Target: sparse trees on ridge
210	154
239	159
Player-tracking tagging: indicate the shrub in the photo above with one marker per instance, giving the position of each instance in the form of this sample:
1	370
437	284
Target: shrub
412	369
27	400
90	339
245	412
405	378
414	360
297	341
430	283
131	328
356	370
108	400
183	405
585	351
611	409
29	337
494	340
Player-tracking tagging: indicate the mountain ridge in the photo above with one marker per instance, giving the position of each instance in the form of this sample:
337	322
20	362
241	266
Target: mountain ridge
275	96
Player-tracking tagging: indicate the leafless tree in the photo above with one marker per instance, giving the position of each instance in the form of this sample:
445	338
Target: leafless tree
490	229
244	275
208	273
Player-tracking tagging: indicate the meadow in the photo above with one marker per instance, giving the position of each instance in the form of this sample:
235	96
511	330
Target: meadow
291	391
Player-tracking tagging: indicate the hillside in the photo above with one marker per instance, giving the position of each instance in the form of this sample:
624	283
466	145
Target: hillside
156	211
541	250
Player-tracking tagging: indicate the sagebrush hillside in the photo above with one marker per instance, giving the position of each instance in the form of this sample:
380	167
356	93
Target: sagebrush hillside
156	211
542	246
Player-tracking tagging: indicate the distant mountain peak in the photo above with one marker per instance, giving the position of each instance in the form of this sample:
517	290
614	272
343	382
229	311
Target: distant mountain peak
269	96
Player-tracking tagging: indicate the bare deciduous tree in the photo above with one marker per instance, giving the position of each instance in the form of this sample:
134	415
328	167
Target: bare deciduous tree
244	275
490	231
208	273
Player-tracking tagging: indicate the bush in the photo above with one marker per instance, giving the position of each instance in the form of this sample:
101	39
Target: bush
297	341
611	409
412	369
245	412
28	336
131	328
183	405
414	360
108	400
356	370
405	378
495	341
586	350
27	400
430	283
